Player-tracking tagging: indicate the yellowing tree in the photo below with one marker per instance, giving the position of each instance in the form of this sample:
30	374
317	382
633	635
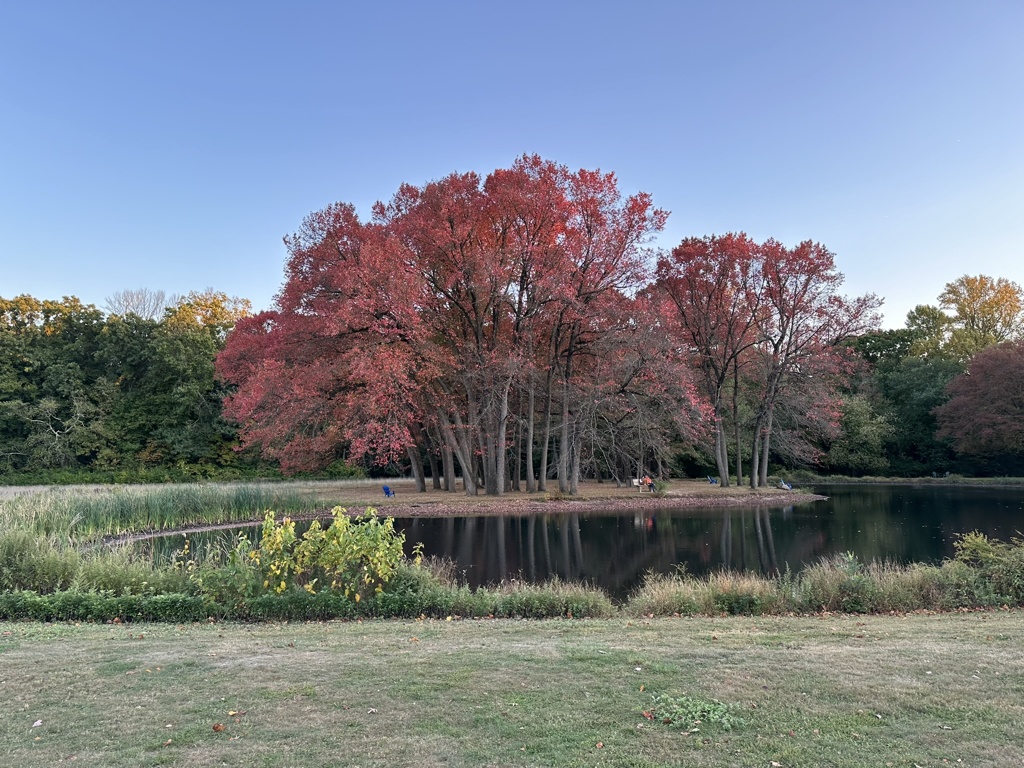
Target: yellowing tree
986	312
210	309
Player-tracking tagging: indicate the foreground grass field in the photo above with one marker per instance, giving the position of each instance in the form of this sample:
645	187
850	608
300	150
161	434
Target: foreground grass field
917	690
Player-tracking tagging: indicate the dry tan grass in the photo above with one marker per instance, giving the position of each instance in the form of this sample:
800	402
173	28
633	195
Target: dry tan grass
829	690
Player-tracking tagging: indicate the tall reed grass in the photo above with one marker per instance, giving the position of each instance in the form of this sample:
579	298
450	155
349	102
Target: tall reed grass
48	540
83	517
840	583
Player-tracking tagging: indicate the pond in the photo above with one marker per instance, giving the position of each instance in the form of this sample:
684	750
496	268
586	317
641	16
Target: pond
902	523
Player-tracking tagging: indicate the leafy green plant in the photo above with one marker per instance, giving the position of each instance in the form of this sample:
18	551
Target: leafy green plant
227	577
692	712
356	556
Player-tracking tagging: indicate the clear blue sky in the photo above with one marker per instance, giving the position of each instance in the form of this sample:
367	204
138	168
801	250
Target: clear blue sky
172	145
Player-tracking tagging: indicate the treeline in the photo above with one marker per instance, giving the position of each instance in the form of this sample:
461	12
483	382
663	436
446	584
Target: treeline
516	330
517	333
945	393
127	394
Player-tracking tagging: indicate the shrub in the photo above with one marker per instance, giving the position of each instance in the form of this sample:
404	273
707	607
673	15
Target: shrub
74	605
226	577
1001	563
355	556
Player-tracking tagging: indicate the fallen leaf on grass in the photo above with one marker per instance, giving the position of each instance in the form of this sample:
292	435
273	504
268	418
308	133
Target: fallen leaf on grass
600	745
168	743
218	727
233	712
371	711
37	723
647	713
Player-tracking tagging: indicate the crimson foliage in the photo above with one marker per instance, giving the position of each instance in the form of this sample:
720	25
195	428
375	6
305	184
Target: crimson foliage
460	319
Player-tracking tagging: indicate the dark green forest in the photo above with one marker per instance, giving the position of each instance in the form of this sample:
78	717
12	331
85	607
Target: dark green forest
129	396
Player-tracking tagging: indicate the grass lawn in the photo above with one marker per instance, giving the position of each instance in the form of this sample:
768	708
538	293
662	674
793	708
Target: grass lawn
917	690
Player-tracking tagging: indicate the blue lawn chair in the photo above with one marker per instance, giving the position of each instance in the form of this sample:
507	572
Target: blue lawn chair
712	480
388	492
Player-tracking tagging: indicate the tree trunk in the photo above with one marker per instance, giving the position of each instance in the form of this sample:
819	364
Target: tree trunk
448	465
755	453
721	452
428	443
531	480
517	457
766	442
542	478
500	460
574	465
563	442
459	444
736	424
417	468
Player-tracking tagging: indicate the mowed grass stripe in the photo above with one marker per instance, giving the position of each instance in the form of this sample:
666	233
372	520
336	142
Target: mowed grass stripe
811	691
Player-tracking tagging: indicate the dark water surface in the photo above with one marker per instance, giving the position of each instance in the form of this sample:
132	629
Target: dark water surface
613	551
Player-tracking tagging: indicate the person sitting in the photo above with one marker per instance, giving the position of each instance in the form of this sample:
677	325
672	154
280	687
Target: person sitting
646	482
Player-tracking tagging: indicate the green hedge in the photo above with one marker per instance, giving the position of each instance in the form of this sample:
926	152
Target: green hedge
73	605
438	601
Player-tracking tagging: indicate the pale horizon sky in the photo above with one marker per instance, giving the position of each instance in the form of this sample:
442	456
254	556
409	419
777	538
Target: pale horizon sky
172	146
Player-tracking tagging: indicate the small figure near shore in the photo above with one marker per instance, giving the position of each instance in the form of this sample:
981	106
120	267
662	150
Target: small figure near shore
784	486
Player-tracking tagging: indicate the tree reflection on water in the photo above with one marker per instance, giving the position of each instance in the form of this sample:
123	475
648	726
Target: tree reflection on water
614	551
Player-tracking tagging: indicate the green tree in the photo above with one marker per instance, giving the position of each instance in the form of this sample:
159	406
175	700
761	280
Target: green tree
910	392
859	449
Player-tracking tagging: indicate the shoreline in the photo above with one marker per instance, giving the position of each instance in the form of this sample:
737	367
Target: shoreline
512	507
501	505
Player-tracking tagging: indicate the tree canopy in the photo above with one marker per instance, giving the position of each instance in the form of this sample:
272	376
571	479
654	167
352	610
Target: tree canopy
466	315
